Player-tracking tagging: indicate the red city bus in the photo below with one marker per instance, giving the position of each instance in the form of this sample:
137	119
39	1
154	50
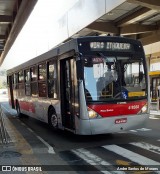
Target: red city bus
89	85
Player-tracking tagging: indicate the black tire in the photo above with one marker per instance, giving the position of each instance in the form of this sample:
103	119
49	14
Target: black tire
52	119
19	114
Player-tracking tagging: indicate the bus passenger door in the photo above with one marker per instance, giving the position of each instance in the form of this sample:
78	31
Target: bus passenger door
67	92
11	97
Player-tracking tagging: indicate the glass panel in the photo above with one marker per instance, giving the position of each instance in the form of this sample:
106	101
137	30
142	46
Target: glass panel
34	89
20	77
42	71
15	78
111	78
27	75
51	88
52	70
52	80
42	90
33	73
21	91
15	81
28	89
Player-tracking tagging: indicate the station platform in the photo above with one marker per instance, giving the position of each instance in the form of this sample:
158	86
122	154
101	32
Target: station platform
15	153
25	154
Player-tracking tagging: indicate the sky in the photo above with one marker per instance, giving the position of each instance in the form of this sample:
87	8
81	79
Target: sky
36	36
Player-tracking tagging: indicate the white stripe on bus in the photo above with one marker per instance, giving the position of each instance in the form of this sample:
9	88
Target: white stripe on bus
94	160
147	146
134	157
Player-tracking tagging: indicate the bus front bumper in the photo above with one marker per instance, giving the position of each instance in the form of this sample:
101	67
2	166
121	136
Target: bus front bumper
111	124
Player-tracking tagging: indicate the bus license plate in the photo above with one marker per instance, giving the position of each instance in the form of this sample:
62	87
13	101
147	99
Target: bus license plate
121	120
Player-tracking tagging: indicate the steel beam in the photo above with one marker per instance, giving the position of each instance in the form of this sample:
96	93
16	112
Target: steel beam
2	37
155	37
137	15
137	29
5	18
108	27
152	4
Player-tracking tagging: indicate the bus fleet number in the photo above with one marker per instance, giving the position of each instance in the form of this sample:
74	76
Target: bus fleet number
133	107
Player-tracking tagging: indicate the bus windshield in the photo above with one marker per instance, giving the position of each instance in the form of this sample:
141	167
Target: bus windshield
109	78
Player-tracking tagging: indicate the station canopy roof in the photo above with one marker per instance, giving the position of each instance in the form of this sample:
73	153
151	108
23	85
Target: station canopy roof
13	15
138	19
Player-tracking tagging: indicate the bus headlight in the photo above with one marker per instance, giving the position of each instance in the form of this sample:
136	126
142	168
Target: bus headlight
144	109
92	113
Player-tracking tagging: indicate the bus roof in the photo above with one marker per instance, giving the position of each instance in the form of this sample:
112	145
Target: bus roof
58	50
66	47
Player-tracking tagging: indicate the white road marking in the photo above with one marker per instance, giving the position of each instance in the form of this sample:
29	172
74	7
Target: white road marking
23	124
133	131
144	129
94	160
50	148
154	118
30	130
147	146
131	155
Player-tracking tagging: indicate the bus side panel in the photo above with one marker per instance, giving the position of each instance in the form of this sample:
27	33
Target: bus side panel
83	127
38	108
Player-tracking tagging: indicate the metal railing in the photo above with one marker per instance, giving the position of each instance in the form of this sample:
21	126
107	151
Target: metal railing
3	131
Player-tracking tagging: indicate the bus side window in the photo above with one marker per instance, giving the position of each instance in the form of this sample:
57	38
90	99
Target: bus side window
34	88
51	68
42	74
20	83
20	77
27	82
15	80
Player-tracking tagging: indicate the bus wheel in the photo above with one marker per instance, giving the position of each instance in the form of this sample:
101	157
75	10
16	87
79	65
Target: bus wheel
18	110
53	120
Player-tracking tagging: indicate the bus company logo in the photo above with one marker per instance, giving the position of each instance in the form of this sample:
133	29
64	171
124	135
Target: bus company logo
107	110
